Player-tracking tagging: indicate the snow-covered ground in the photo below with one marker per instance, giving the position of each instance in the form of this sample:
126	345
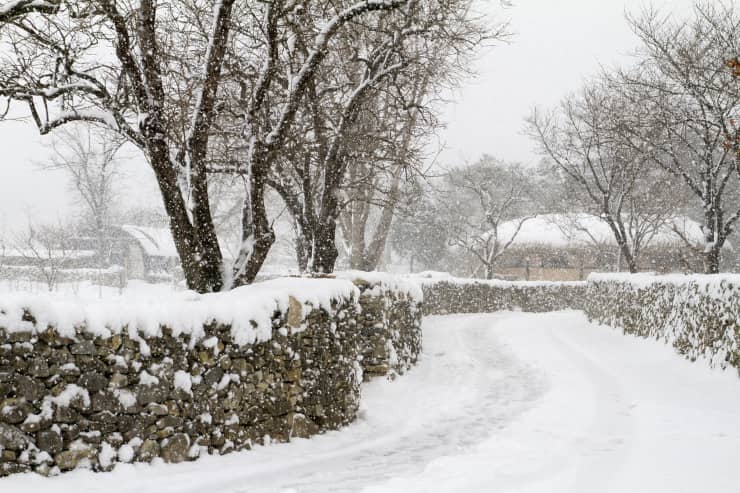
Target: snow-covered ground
506	402
87	290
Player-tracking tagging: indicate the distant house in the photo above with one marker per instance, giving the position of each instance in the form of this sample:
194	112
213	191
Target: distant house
569	246
132	252
145	252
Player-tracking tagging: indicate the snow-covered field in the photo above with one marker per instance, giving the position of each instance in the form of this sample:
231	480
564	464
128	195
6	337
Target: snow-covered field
506	402
86	290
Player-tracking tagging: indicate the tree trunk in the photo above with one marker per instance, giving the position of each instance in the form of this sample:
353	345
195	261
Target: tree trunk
358	212
325	251
377	246
257	233
191	259
302	250
713	238
626	254
624	248
711	260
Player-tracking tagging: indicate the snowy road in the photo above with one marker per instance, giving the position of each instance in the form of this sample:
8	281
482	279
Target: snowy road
506	402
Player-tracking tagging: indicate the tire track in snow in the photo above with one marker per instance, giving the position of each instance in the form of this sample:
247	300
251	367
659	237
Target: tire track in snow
464	388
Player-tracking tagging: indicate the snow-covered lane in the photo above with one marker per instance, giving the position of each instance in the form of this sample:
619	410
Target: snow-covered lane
621	414
499	402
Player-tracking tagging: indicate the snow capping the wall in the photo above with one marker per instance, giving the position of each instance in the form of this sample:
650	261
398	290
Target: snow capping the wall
697	314
89	384
247	310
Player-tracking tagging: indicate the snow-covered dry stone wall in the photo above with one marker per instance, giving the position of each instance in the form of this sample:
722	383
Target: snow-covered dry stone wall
89	385
390	322
698	314
453	295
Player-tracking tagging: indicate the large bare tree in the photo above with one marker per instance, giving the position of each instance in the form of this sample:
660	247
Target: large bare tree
155	73
687	107
581	140
367	122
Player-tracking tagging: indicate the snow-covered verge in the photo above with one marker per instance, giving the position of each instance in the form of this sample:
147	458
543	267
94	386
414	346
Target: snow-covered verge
110	276
91	383
444	295
391	321
698	314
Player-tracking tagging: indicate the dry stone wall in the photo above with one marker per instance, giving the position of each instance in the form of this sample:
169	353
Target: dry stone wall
82	396
697	315
390	322
442	296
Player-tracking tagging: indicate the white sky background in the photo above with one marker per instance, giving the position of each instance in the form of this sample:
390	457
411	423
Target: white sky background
558	43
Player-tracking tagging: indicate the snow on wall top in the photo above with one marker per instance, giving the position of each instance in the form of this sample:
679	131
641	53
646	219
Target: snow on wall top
433	277
648	278
156	242
385	281
578	230
248	310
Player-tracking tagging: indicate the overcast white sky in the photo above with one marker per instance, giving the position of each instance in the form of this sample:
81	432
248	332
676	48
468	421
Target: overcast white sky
557	44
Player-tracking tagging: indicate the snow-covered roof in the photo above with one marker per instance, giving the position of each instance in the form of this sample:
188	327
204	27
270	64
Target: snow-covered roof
156	242
577	230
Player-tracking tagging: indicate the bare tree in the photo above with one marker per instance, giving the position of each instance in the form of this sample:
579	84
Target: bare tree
161	85
373	186
656	199
480	198
47	249
300	44
581	140
111	63
90	159
364	122
687	108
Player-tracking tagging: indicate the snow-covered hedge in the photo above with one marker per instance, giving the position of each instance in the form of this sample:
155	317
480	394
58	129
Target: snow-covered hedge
91	384
698	314
453	295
